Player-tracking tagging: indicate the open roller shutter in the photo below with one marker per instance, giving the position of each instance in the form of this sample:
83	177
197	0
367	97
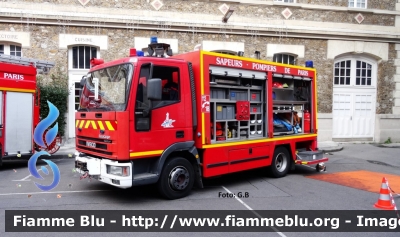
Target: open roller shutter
292	77
18	122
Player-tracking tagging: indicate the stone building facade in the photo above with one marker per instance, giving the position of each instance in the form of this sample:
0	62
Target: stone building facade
354	44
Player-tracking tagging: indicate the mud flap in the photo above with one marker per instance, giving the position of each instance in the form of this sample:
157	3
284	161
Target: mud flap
198	180
292	165
197	168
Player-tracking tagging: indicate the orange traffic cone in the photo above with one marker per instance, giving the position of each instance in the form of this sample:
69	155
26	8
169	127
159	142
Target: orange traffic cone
384	201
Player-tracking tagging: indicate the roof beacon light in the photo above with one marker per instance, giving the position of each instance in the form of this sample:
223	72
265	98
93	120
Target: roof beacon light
96	61
153	40
132	52
309	64
160	49
140	53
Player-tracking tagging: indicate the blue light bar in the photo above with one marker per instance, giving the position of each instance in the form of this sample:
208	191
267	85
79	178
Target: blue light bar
153	40
140	53
309	64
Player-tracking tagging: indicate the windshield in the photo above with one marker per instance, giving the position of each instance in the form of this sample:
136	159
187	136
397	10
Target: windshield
113	88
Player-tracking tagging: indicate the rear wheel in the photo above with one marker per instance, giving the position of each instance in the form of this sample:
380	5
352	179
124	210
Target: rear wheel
280	162
177	178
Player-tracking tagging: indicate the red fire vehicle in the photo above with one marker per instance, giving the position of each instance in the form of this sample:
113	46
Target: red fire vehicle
176	120
19	105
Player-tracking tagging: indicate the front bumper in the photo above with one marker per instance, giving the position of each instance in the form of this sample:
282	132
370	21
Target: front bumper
97	168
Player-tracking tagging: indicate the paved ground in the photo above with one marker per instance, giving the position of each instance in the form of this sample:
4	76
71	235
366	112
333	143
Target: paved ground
293	192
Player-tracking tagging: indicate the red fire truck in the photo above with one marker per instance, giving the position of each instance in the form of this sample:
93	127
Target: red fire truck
174	120
19	105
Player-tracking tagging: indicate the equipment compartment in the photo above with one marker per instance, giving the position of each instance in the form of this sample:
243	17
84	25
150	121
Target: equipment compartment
237	104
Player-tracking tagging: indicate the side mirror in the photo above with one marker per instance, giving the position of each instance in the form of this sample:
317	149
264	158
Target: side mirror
154	87
83	81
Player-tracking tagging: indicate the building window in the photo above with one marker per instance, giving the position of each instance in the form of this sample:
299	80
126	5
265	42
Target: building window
78	92
354	72
342	73
10	49
229	52
289	1
363	73
284	58
358	3
15	50
81	56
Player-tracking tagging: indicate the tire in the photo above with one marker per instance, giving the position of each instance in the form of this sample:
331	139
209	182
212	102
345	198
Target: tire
177	178
280	163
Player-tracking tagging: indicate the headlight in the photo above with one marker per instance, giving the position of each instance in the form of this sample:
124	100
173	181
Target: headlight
118	170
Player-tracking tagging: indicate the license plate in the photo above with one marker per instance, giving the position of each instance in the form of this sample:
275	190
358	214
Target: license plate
91	144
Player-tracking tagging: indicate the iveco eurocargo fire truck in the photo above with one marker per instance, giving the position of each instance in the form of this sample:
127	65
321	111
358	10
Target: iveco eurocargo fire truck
176	120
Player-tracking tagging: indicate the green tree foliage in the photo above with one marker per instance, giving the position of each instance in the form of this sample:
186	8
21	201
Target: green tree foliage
55	91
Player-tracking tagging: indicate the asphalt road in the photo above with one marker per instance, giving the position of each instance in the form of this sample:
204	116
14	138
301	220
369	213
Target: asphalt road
293	192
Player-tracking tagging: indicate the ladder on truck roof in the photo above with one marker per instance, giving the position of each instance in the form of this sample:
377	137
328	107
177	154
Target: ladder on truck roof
42	66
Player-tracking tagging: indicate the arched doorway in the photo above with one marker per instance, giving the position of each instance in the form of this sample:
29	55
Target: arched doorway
354	98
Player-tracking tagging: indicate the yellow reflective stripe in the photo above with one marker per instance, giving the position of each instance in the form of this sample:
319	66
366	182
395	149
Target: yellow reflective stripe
93	124
109	126
16	89
203	129
87	124
101	125
135	154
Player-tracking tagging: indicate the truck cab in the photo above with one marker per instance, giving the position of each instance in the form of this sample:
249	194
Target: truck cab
135	113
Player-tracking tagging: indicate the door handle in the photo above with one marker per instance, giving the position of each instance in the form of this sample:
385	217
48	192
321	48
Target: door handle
180	134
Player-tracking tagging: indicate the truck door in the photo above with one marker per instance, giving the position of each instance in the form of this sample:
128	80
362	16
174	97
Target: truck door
18	123
168	121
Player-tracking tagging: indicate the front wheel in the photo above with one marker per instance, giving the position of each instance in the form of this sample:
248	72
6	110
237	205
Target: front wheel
280	163
177	178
